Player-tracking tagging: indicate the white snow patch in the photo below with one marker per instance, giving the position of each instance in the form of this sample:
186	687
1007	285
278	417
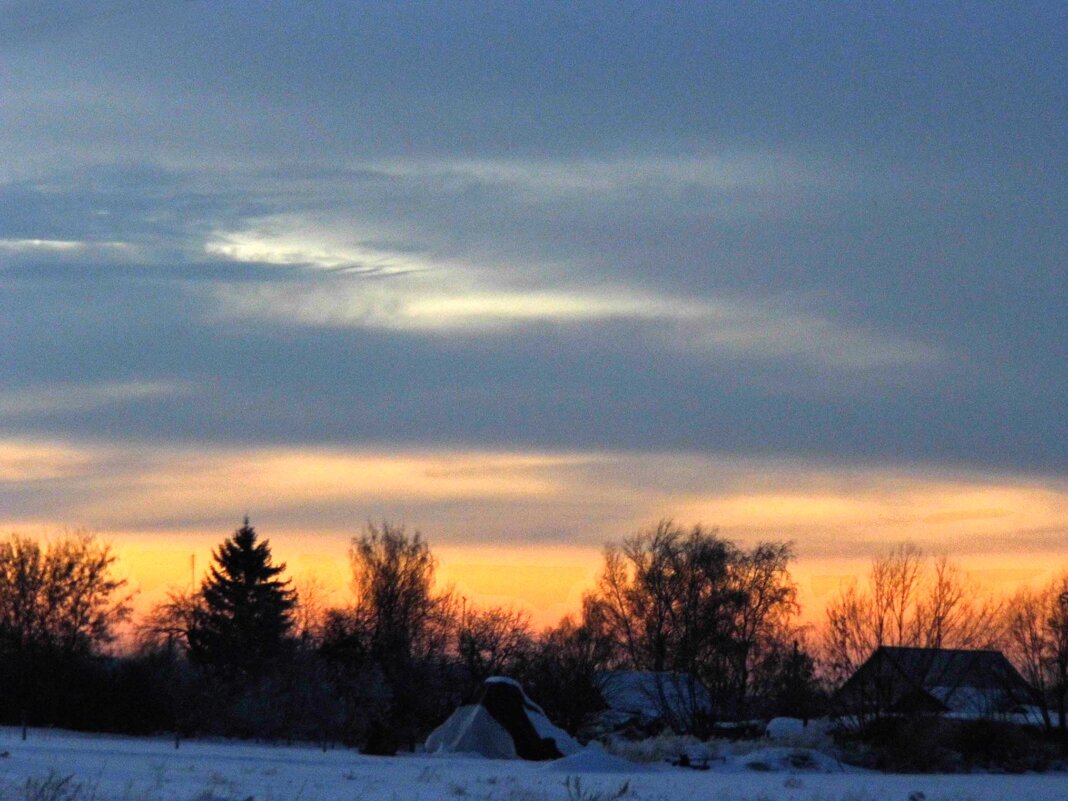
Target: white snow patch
565	743
472	730
505	680
112	768
783	728
787	760
594	759
512	682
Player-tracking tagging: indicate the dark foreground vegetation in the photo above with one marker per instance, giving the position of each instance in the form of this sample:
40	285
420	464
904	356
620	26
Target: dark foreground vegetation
244	656
934	744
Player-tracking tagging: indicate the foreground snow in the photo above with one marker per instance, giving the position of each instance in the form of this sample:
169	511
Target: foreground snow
142	769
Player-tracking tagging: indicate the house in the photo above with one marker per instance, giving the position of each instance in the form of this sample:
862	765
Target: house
953	682
652	699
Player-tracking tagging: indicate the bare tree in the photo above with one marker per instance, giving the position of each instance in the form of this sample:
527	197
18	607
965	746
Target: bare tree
1037	639
895	586
662	596
690	604
562	675
59	602
393	581
956	612
167	624
761	624
62	596
397	634
494	641
1058	627
910	600
310	613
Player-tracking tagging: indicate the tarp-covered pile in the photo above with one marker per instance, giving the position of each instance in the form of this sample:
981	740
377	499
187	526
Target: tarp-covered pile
504	724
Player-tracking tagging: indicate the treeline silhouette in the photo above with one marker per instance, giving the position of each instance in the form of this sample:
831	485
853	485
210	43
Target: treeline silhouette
244	655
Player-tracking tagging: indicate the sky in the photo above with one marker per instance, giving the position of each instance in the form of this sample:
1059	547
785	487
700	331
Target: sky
531	277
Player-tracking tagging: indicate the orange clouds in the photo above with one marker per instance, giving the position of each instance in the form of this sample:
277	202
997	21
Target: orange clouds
524	528
22	461
261	480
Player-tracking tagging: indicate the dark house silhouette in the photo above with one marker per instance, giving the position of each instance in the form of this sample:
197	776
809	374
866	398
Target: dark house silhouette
911	681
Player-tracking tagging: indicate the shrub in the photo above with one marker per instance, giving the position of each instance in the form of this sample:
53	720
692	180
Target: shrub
576	792
995	745
928	744
915	744
55	787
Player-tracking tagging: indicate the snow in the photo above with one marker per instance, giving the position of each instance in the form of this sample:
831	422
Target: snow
530	705
112	768
783	728
788	760
472	730
594	759
565	743
507	680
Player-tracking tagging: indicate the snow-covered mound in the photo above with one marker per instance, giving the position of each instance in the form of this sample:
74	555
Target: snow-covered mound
784	728
786	760
471	729
594	759
504	724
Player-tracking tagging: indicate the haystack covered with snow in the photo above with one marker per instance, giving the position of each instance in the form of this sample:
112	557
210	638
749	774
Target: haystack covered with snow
504	724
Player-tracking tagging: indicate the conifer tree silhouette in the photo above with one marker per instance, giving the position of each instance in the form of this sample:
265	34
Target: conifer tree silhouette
241	625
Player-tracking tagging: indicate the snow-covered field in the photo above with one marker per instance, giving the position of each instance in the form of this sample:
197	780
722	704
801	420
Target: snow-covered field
110	768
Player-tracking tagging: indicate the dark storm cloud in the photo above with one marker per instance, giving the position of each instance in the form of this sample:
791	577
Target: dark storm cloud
872	183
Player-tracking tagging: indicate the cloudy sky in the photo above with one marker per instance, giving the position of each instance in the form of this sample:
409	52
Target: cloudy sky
532	276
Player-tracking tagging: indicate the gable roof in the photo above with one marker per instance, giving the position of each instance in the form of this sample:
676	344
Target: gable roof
896	679
946	667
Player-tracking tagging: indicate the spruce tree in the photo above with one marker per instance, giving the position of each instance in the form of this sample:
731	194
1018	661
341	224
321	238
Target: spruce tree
243	621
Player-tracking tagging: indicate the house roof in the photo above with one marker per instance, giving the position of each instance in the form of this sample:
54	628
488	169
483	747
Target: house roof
649	695
946	679
950	668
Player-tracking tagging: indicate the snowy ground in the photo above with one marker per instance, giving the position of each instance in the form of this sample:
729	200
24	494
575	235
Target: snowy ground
106	768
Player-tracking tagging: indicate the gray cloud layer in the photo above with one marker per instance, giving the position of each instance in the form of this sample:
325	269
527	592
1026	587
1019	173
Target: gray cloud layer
833	233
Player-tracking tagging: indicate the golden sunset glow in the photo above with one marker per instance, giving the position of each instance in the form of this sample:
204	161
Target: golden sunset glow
523	529
548	582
